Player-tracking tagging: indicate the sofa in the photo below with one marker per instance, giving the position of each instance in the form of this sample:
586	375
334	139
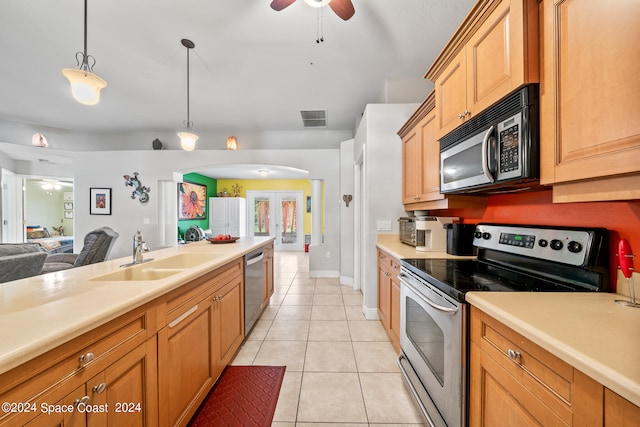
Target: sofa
97	245
20	260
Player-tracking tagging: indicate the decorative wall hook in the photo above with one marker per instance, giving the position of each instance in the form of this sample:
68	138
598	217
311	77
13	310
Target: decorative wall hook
347	198
138	189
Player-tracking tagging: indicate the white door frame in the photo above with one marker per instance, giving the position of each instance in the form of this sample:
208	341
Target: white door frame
275	197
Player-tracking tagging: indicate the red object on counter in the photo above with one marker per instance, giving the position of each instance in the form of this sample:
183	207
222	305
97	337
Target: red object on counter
625	258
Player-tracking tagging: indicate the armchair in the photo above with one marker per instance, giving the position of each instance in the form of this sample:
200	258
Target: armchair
97	245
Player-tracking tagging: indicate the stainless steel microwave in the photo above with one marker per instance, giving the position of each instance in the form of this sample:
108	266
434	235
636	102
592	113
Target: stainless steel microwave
497	151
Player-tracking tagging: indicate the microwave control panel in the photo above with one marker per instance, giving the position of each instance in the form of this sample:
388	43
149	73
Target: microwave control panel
509	146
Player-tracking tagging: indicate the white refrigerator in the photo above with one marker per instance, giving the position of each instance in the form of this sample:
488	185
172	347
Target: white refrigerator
228	215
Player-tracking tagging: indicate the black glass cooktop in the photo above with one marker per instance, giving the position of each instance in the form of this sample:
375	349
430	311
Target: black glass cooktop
457	277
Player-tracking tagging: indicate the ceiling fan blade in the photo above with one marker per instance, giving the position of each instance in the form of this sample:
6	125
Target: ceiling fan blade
281	4
343	8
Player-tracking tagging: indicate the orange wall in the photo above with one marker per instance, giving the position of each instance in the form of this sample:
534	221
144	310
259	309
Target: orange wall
621	218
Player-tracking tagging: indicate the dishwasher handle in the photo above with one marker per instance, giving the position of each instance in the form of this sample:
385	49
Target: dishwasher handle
255	259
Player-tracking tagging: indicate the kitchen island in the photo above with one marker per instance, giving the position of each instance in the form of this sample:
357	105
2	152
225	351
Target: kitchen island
62	328
587	331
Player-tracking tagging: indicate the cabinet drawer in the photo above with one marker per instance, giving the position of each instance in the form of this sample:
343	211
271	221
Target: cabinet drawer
64	368
523	359
388	263
204	284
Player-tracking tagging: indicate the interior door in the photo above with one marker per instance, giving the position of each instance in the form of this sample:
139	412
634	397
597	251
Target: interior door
277	214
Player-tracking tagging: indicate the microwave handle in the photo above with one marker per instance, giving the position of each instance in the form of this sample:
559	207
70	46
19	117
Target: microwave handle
485	155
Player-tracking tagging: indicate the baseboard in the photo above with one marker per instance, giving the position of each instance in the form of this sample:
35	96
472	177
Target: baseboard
370	313
324	273
344	280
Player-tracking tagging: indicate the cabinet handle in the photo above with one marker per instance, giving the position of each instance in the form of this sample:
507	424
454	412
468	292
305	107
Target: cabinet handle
386	273
416	197
467	113
99	388
514	355
86	358
83	400
461	116
218	298
183	316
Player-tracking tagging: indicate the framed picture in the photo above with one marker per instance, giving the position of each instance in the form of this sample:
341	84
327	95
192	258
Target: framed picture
100	201
68	214
192	201
68	206
308	204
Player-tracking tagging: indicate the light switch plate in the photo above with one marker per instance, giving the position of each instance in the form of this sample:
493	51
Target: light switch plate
384	225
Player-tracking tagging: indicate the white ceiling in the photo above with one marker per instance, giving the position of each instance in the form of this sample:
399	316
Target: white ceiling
252	70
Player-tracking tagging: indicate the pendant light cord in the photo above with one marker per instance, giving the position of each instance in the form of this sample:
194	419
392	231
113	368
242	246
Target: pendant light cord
85	28
188	121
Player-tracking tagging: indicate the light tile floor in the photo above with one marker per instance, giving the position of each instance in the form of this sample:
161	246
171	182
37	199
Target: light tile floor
341	368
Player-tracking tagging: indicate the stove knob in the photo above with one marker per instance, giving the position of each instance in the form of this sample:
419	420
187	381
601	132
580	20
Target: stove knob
574	247
486	235
556	244
543	243
477	235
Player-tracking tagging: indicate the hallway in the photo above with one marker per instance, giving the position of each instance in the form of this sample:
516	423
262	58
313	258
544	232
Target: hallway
341	368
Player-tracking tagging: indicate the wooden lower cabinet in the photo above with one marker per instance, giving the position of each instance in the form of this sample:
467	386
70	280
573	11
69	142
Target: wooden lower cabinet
514	382
389	296
205	327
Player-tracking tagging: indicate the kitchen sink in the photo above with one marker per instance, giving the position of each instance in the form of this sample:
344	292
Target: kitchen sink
156	270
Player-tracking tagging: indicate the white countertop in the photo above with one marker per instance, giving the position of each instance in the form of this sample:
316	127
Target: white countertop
587	330
40	313
391	244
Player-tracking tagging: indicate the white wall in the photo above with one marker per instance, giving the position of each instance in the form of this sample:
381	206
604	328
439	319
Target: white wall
106	169
382	199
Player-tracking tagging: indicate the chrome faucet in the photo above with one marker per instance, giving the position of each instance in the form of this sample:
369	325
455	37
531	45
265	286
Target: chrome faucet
139	247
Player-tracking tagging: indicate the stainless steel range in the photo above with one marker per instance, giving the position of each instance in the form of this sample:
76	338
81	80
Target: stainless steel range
434	314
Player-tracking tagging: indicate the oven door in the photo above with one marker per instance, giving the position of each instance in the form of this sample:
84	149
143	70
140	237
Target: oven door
432	338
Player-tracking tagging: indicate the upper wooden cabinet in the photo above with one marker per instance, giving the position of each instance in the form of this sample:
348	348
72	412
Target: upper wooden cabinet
421	164
494	52
589	89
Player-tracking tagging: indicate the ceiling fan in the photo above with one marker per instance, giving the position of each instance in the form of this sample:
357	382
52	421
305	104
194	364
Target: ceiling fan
343	8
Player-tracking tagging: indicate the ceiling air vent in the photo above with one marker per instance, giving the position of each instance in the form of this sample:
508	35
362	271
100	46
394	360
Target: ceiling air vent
314	118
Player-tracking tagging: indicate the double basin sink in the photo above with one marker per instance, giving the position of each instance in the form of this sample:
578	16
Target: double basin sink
156	269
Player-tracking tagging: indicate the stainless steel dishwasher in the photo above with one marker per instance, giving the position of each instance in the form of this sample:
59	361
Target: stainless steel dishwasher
253	279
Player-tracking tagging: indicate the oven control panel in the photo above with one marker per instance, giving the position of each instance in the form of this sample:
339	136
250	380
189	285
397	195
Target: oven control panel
564	245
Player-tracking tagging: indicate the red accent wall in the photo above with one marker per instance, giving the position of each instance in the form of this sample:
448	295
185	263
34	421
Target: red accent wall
621	218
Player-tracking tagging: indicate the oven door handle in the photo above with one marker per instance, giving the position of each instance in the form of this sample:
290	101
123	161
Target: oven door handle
485	155
448	310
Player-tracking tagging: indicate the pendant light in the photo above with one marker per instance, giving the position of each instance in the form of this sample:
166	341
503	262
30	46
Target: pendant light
85	85
188	139
232	143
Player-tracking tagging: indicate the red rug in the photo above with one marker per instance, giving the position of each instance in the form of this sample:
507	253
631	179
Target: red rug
243	396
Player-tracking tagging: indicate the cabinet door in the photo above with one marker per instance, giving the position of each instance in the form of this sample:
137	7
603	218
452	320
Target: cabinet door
411	167
430	174
589	92
186	361
619	412
451	95
62	419
394	319
229	320
267	289
496	60
218	217
384	289
127	389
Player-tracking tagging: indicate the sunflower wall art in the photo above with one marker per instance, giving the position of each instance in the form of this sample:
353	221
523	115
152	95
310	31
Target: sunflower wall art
192	201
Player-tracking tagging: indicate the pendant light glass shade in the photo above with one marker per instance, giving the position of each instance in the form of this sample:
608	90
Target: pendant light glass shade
85	86
188	140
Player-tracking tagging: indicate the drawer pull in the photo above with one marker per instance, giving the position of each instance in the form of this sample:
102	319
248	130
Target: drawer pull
86	358
99	388
183	316
217	298
82	401
514	355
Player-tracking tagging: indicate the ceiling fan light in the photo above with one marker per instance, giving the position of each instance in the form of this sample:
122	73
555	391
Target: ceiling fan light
187	140
317	3
85	86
